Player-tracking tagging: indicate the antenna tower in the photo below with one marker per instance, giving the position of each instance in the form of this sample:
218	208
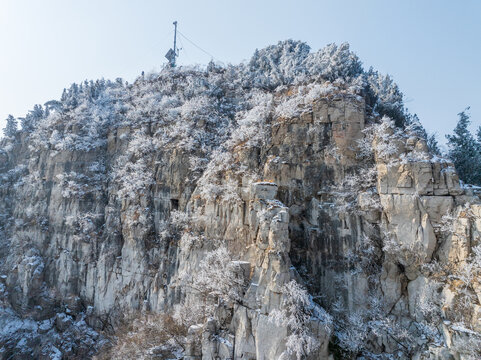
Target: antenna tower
173	53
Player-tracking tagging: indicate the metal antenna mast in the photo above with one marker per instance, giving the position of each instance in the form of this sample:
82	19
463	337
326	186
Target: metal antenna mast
175	42
173	53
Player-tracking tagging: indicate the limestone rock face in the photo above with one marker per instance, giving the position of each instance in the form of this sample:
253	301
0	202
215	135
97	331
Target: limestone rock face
83	244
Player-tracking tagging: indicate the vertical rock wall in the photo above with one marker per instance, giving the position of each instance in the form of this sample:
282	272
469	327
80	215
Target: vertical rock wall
73	242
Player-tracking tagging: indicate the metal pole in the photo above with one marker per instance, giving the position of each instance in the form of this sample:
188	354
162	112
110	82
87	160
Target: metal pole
175	43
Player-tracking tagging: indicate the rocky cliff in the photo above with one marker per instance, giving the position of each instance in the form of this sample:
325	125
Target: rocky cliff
284	208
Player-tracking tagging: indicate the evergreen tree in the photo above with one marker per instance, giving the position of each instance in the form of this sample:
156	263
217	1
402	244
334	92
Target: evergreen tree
10	129
30	121
433	144
385	98
464	150
413	125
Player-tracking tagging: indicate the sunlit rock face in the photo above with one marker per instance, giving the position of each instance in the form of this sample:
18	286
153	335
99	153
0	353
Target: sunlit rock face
268	209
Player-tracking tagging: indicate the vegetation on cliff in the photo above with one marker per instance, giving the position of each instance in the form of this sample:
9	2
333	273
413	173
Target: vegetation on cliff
265	209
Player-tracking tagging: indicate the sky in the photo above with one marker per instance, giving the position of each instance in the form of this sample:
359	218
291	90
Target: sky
432	48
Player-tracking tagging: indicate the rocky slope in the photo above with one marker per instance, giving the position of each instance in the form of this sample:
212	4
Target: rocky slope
216	198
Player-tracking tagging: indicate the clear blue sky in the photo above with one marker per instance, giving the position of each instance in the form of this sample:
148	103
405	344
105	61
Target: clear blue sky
432	48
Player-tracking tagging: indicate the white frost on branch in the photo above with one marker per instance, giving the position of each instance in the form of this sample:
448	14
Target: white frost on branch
296	313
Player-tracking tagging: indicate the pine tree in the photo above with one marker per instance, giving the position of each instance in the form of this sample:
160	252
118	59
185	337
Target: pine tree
433	144
30	121
413	125
464	150
10	129
385	97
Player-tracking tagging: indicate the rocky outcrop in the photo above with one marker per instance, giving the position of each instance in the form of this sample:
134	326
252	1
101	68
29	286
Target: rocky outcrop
326	194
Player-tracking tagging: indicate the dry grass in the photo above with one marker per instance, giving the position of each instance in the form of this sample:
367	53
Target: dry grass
145	336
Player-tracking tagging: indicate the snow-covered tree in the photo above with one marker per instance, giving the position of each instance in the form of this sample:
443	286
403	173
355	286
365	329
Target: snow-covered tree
277	64
385	97
30	121
219	277
355	331
10	129
334	63
414	127
296	313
